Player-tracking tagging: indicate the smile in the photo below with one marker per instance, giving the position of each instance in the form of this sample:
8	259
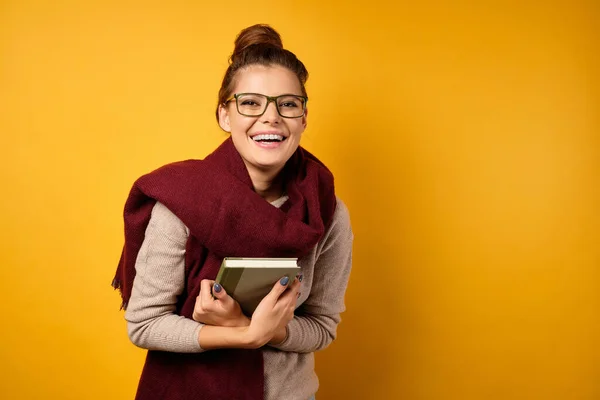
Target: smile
268	138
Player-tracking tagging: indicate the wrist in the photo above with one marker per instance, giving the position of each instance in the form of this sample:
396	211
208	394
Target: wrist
242	321
252	339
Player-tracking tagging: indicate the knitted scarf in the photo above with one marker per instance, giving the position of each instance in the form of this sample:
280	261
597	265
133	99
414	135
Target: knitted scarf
215	199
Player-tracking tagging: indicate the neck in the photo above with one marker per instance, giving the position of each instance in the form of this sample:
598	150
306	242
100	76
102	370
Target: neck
267	183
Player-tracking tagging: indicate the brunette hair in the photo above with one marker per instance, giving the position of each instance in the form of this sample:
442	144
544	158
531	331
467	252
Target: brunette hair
259	45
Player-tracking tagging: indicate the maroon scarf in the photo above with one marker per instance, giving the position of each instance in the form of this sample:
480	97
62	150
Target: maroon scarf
215	199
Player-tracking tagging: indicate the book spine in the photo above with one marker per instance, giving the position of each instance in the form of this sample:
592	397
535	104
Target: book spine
231	278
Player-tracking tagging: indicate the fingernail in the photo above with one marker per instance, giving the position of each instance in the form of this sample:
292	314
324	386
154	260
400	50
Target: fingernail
300	278
299	293
284	281
217	288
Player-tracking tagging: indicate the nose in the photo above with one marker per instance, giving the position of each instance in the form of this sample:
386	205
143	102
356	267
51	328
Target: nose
271	115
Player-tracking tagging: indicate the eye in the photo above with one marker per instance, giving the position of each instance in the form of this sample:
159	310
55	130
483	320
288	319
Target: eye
290	102
250	101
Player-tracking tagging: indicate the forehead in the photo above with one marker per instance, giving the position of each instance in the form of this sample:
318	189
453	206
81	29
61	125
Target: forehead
272	81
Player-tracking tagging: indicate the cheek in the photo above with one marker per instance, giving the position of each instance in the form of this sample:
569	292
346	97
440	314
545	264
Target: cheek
240	125
296	129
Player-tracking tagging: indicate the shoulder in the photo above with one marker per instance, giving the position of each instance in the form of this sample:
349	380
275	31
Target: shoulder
176	168
339	231
172	173
168	223
341	216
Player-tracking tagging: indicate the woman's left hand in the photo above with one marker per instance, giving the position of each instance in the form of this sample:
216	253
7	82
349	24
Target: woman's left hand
220	310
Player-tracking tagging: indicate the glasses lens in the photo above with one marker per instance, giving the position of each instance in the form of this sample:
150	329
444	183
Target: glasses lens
291	106
251	104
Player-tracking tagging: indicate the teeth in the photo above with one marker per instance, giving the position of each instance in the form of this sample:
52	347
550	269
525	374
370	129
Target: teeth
267	137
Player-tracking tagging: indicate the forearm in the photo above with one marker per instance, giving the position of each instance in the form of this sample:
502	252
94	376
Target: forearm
152	322
175	333
308	333
166	333
223	337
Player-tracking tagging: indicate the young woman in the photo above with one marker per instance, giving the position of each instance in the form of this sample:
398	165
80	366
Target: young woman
258	195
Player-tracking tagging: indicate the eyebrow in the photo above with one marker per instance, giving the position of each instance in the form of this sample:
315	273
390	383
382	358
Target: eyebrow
276	95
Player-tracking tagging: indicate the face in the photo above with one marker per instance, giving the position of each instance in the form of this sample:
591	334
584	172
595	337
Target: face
258	152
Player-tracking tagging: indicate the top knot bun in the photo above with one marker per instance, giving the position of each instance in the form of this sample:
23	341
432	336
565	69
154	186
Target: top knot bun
256	34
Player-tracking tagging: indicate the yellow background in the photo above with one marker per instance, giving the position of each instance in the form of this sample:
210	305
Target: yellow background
464	136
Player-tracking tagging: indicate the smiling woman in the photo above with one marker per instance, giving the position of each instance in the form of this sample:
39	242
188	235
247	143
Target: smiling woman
258	195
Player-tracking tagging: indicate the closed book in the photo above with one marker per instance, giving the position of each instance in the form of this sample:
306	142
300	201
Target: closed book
249	280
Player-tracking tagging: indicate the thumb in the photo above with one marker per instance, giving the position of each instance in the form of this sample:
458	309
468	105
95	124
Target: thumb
219	291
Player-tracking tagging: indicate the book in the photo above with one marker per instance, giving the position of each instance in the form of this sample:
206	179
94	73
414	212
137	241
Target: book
249	280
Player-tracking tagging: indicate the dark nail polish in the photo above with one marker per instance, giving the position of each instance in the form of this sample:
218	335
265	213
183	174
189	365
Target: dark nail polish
217	288
284	281
300	278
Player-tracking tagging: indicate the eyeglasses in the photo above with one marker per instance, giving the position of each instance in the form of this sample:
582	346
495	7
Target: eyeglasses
255	104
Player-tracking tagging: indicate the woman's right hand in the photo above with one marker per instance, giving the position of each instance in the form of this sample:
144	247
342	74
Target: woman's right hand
274	312
215	307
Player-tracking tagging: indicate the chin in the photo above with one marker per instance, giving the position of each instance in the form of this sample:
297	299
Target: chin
276	159
268	164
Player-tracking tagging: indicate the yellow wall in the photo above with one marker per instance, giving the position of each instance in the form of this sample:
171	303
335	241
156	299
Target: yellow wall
465	139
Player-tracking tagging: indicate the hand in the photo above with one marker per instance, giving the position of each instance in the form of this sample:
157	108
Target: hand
274	312
220	311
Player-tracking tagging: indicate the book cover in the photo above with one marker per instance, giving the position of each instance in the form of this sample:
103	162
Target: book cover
249	280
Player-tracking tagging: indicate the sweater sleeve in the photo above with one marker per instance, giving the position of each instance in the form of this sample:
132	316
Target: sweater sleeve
315	324
159	280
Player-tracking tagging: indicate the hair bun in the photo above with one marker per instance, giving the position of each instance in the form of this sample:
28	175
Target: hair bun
256	34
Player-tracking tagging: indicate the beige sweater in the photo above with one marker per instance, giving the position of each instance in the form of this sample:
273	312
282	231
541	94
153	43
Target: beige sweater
289	366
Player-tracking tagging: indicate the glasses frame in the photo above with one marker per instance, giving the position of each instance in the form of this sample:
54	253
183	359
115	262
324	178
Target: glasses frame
269	100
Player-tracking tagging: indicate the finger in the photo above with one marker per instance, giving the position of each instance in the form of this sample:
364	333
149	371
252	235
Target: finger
220	293
198	302
294	287
280	286
197	309
289	298
291	295
206	292
296	284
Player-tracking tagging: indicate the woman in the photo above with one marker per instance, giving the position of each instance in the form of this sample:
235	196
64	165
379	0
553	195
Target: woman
258	195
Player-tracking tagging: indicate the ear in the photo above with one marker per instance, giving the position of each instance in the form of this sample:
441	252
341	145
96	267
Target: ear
304	118
224	118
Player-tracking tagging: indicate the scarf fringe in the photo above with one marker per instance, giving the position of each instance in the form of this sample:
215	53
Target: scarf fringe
116	284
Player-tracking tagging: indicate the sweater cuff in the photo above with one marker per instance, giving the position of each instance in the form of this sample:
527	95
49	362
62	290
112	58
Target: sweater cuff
288	343
199	348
